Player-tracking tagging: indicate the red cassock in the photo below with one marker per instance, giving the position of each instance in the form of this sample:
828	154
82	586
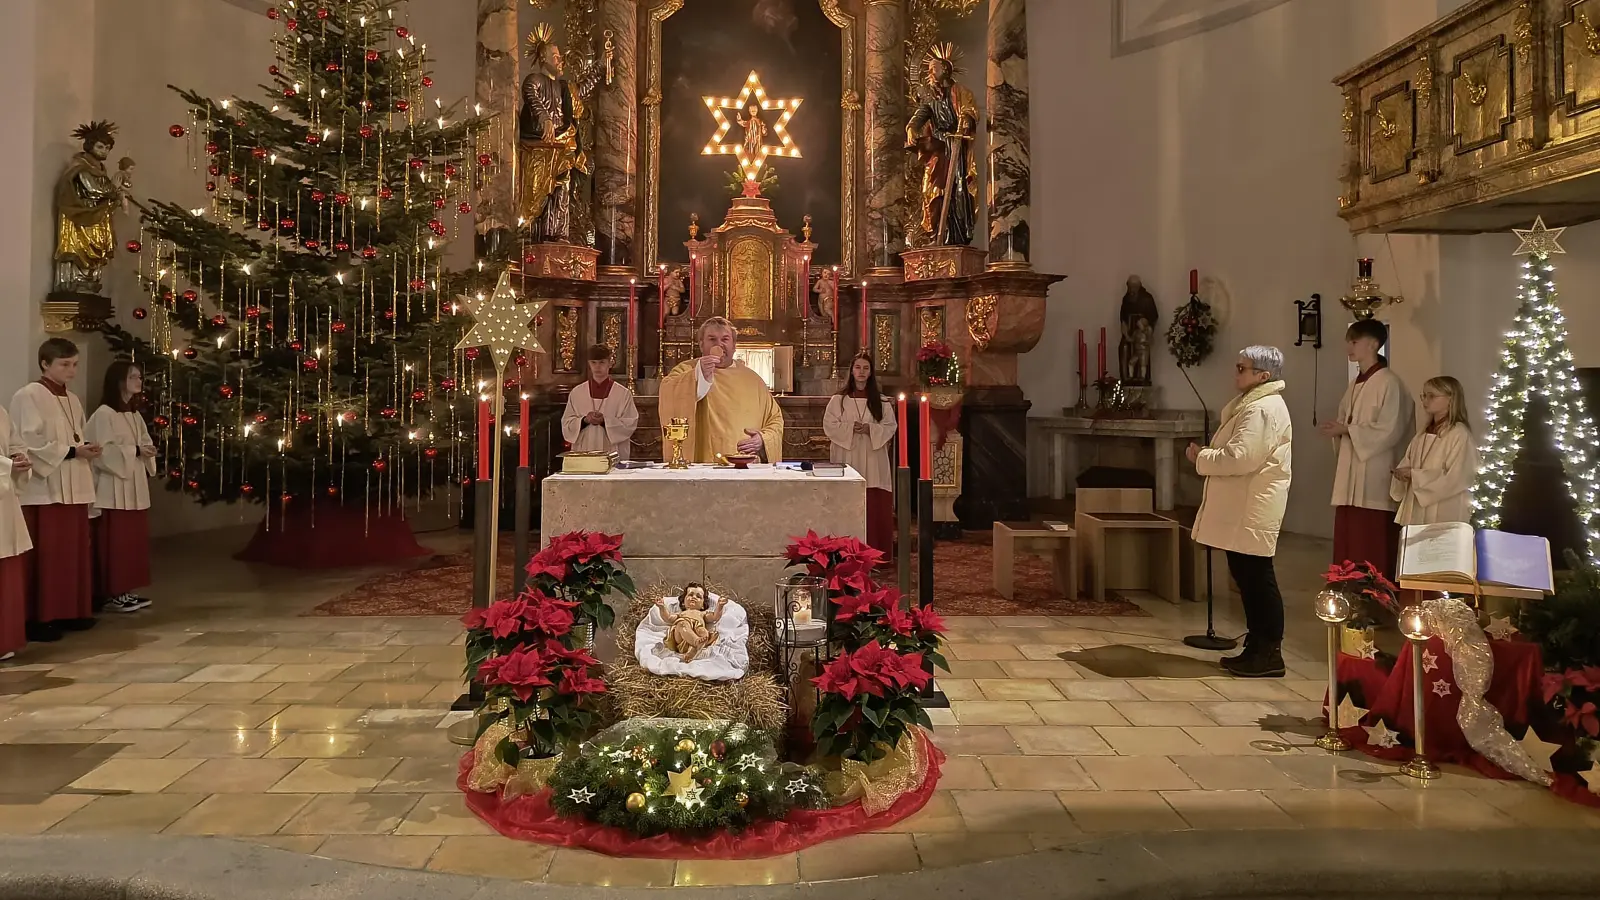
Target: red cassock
122	551
60	579
880	521
14	601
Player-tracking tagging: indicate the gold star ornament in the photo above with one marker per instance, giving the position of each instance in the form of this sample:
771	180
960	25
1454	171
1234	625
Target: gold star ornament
751	163
501	323
1538	239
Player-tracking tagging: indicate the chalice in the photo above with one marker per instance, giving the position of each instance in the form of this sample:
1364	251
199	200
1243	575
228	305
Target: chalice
677	431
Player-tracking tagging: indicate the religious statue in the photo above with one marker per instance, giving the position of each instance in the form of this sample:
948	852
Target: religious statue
673	293
692	628
86	198
941	130
125	181
1138	315
755	132
825	292
551	150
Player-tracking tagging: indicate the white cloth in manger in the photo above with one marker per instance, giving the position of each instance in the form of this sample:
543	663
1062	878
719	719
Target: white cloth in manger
727	659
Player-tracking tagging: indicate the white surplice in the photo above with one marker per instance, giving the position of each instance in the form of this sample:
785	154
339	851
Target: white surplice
49	426
622	418
1379	416
14	538
866	453
1443	469
122	473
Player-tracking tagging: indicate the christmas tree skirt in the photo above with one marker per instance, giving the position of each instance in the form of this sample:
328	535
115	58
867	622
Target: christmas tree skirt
331	535
531	818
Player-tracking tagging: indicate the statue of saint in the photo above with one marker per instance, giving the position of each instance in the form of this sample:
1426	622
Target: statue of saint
673	298
551	149
1138	315
824	292
755	132
941	130
86	198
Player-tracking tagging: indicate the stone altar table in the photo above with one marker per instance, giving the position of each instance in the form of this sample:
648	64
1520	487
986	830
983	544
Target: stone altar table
705	523
1165	429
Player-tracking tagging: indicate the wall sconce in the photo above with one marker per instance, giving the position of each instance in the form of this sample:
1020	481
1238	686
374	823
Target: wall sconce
1310	312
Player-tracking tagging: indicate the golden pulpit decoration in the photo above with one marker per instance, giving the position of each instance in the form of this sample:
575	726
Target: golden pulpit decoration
677	431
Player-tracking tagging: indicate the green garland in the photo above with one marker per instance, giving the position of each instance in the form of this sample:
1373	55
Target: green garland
736	779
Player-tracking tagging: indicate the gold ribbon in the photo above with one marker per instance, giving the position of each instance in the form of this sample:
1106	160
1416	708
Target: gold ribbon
489	771
879	784
530	777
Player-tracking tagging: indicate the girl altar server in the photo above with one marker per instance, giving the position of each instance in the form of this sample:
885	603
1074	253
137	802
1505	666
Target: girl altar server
1370	433
122	490
57	495
860	423
14	542
600	413
1433	482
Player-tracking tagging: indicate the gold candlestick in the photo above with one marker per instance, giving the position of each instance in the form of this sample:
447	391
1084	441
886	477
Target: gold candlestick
1333	607
1415	627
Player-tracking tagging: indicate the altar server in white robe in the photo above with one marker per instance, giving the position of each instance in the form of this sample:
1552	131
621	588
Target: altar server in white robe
122	490
57	495
600	413
1370	432
860	423
1433	482
14	542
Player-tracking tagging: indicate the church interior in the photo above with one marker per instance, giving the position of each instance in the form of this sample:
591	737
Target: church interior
541	445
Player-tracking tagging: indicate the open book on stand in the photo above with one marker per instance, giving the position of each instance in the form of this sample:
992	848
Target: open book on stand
1451	557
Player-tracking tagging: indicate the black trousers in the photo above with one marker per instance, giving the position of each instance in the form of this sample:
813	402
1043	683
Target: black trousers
1258	591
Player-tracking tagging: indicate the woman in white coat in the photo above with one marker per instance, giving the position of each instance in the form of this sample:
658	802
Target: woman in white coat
1433	482
122	490
860	423
1246	468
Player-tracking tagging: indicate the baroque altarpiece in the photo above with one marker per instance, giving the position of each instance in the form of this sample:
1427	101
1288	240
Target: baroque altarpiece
820	172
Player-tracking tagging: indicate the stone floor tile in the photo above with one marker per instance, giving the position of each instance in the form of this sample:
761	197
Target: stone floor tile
149	693
1175	689
1336	809
294	843
1136	773
1077	712
141	717
1161	712
396	851
228	672
1149	740
66	695
1097	689
129	813
233	776
1220	810
307	693
327	776
314	718
419	776
939	814
332	813
136	744
859	855
496	857
139	776
960	689
1121	811
49	717
1239	712
324	745
1017	689
964	773
381	694
1046	652
1059	740
1039	668
240	814
442	813
1034	812
993	712
221	717
34	813
1038	773
580	867
1443	808
941	850
228	692
1254	689
974	668
1542	809
1243	740
304	672
1233	773
974	653
220	744
783	869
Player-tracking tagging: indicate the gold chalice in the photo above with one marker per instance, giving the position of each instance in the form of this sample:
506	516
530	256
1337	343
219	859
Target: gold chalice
677	431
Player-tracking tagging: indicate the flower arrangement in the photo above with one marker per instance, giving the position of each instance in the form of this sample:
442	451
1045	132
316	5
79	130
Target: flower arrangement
583	568
937	364
1369	590
1191	335
1566	626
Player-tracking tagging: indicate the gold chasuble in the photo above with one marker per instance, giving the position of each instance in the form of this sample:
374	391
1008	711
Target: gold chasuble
738	399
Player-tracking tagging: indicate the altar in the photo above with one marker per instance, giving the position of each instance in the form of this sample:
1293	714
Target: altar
709	524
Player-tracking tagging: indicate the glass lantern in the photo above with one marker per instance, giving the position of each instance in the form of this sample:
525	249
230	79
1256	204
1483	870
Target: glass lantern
799	604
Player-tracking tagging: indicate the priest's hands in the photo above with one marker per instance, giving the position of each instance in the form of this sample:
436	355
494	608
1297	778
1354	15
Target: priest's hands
21	463
752	442
708	366
1333	429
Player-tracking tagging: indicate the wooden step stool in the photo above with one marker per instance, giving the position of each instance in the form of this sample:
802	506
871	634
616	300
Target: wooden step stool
1126	545
1060	546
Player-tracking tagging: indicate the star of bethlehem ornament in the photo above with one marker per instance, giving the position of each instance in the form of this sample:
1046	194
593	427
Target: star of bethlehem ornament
797	787
580	795
750	163
690	798
1381	735
501	324
1500	628
1538	239
1539	751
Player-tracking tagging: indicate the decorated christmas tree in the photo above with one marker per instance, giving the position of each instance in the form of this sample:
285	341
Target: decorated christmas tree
300	328
1537	372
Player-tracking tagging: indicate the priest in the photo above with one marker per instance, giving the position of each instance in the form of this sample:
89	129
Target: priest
729	408
600	413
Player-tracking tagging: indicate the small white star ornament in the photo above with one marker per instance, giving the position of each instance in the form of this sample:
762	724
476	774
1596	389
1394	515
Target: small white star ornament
1539	751
580	795
1591	778
1441	688
1500	628
1381	735
1349	713
1430	661
1538	239
797	787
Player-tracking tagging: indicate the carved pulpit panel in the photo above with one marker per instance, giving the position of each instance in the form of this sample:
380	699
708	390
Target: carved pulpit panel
1577	67
751	277
1480	95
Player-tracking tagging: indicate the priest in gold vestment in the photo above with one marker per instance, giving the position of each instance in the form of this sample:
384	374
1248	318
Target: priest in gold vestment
729	408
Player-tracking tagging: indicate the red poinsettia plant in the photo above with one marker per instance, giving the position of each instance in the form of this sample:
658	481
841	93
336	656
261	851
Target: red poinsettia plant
936	364
1369	590
1575	694
584	568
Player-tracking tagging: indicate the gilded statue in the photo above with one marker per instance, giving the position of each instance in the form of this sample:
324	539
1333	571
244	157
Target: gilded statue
673	290
755	132
552	150
941	131
86	198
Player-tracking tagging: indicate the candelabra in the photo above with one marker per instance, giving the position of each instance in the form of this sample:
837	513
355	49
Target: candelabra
1333	608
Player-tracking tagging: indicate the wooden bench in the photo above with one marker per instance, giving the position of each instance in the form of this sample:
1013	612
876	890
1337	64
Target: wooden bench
1060	546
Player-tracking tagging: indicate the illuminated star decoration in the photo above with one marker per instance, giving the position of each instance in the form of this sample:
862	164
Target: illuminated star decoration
1500	628
1441	688
1538	751
780	129
1368	650
1538	239
501	323
1381	735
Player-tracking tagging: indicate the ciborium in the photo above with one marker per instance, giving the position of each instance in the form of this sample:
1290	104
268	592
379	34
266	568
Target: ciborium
676	431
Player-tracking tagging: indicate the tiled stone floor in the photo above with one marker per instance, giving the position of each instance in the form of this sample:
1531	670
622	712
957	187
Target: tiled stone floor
223	712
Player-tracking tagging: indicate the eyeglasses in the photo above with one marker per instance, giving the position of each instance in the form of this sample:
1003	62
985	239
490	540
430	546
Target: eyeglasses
1426	396
1241	368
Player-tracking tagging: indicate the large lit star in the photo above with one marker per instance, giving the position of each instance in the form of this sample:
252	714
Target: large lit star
501	323
751	166
1538	239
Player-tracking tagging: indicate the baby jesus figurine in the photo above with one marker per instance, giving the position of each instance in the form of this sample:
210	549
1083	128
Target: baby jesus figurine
692	629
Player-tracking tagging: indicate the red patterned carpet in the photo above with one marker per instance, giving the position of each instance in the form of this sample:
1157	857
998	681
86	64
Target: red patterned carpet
442	586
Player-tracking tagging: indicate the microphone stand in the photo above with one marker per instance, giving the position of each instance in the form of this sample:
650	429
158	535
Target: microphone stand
1210	640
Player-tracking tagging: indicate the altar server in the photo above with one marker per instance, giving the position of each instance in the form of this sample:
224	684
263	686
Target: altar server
600	413
14	542
1370	434
122	490
57	496
860	423
729	408
1433	482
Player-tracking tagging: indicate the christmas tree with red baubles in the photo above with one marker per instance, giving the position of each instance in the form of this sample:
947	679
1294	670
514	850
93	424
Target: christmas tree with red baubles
298	331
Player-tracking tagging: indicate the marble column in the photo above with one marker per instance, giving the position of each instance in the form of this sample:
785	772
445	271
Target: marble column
1010	172
886	133
496	93
616	111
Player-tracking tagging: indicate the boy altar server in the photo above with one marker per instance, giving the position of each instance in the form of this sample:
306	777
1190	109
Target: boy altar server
57	495
14	542
600	413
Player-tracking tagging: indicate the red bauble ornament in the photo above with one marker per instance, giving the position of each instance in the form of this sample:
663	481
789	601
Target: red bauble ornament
419	395
211	148
402	105
448	384
485	159
259	152
341	198
529	259
311	244
372	56
417	284
313	138
166	295
220	321
140	312
191	421
341	246
134	246
379	465
310	364
234	179
213	169
190	353
472	353
388	314
322	12
193	485
436	226
369	252
431	452
247	489
272	13
333	491
177	131
190	296
439	202
174	474
427	82
339	327
211	185
450	170
418	162
464	207
160	421
366	131
252	312
331	66
288	92
402	32
273	70
520	361
388	412
718	749
226	391
262	418
303	418
264	225
296	346
286	496
385	193
286	223
318	196
292	24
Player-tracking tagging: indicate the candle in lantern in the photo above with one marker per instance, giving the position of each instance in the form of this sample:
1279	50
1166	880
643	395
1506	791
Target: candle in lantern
927	440
1194	281
485	425
866	316
805	283
904	434
522	434
800	609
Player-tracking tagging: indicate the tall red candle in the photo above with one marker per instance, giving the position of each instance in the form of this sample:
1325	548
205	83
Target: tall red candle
1194	281
1102	354
1083	360
661	297
633	319
904	435
866	316
927	440
485	425
694	280
522	434
805	284
836	298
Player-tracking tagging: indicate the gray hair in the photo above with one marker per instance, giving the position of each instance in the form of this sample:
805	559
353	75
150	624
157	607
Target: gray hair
1265	359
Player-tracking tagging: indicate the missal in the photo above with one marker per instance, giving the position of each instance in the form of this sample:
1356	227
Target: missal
1448	555
587	462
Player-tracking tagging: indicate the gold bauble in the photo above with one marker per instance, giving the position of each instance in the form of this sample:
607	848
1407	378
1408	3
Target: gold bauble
686	746
635	802
742	799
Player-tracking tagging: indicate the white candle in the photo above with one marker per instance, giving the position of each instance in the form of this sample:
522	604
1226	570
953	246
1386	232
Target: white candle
802	613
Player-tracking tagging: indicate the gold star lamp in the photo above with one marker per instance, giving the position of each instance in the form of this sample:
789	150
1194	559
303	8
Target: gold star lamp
1538	240
501	324
752	156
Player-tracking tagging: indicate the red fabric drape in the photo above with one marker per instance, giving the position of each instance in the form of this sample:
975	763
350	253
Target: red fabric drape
332	535
59	580
880	521
121	551
13	602
1514	689
1369	535
945	423
530	818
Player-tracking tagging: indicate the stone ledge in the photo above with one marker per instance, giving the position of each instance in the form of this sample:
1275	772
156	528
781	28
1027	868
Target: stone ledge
1530	865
